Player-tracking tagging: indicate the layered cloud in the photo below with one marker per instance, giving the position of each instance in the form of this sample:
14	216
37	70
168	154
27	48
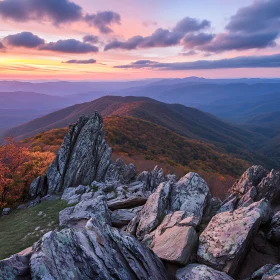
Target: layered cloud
30	40
161	37
57	12
24	39
76	61
266	61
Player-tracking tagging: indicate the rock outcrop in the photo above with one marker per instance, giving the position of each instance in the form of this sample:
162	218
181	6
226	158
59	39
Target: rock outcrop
15	267
98	252
200	272
227	238
255	184
267	272
167	221
274	233
78	215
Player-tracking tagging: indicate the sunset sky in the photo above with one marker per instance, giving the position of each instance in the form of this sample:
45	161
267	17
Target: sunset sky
131	39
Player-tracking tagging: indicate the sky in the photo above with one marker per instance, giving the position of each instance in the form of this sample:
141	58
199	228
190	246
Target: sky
133	39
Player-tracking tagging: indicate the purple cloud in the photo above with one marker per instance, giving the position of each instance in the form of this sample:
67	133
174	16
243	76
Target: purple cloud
103	20
24	39
69	46
266	61
75	61
90	39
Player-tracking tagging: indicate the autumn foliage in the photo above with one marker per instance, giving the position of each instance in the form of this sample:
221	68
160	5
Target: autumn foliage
19	166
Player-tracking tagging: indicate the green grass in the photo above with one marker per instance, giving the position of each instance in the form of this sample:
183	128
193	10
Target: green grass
17	230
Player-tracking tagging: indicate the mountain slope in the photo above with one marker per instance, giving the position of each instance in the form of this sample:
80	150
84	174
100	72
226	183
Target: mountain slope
186	121
147	144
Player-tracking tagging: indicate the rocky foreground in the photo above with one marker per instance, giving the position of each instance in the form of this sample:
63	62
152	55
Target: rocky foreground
152	226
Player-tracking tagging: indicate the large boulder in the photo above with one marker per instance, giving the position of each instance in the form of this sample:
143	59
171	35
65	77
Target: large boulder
274	233
78	215
122	217
225	242
39	187
188	195
99	252
267	272
83	157
254	185
200	272
15	267
168	220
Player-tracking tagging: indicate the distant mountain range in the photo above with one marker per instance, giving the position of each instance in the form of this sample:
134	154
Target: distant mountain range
189	122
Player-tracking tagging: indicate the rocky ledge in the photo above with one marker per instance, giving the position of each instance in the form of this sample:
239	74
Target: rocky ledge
151	226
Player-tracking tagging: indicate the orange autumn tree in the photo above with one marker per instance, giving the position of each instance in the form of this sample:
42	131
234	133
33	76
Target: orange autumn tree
19	166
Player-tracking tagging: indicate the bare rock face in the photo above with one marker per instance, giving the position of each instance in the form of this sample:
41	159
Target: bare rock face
267	272
120	172
39	187
228	237
152	179
15	267
254	185
79	214
83	157
175	244
274	233
167	221
99	252
200	272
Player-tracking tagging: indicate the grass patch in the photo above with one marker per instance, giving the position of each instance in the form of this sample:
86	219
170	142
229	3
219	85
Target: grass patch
17	230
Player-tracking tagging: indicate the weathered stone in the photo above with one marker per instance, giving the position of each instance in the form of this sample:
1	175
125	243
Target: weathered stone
200	272
120	172
227	238
175	244
83	157
154	211
267	272
130	202
152	179
188	195
274	233
39	187
122	217
269	187
79	214
99	252
15	267
252	177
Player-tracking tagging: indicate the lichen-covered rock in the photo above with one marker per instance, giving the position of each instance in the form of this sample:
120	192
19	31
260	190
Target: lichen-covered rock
152	179
99	252
79	214
267	272
189	195
200	272
252	177
154	210
274	233
15	267
83	157
227	238
254	185
269	187
122	217
120	172
38	187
